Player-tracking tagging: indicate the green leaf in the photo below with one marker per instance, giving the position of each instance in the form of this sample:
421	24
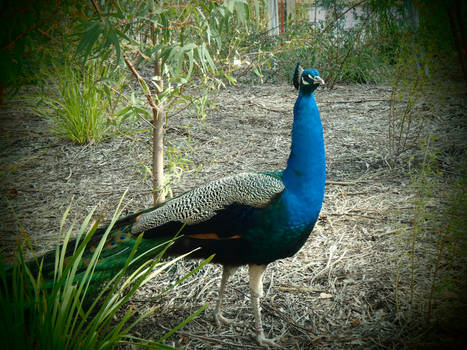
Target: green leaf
93	30
113	38
144	86
190	55
208	58
230	78
189	46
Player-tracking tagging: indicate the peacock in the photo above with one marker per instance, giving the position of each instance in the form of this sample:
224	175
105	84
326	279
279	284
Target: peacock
248	218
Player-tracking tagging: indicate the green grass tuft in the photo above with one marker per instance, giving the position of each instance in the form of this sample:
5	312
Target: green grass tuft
67	313
78	101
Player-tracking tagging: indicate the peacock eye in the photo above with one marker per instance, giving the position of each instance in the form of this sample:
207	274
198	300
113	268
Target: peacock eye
122	237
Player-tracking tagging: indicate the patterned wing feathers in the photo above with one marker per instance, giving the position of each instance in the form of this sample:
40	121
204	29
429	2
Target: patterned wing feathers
201	204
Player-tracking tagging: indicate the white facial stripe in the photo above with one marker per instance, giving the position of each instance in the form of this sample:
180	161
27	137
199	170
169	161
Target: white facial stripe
318	80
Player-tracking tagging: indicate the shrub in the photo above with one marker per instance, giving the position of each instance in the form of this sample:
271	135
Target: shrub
66	313
78	101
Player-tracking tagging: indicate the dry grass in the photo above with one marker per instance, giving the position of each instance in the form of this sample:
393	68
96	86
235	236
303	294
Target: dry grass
338	292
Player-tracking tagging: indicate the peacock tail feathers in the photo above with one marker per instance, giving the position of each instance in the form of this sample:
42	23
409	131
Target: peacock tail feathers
113	246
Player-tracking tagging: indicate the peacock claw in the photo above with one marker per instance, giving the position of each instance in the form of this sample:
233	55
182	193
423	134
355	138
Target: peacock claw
269	343
220	319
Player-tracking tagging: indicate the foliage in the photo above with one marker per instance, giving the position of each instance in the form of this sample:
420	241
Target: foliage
180	41
360	53
367	51
435	249
68	313
424	71
29	30
448	286
189	40
410	89
79	101
423	63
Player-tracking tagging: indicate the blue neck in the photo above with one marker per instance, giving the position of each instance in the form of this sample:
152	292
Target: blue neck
305	175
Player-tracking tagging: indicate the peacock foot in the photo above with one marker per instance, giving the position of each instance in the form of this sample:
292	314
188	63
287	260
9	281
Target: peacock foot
263	341
220	319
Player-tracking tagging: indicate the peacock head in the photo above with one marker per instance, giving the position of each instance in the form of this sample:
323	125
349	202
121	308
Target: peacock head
306	80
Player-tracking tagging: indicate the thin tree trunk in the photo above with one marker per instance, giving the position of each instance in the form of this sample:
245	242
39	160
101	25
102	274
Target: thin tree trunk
158	132
158	156
157	140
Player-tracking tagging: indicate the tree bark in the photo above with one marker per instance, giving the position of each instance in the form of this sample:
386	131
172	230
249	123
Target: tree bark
158	143
158	130
158	157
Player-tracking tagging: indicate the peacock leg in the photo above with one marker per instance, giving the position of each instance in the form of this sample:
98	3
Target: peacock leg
256	290
226	273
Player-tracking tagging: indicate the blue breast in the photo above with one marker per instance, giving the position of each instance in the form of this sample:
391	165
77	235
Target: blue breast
283	227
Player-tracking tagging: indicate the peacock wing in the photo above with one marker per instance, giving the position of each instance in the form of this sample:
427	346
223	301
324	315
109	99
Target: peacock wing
219	207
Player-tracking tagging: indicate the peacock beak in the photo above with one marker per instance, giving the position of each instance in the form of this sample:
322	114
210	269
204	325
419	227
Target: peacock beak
318	80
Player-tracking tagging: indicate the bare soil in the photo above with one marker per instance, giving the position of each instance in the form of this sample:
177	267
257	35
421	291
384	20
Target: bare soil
338	292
